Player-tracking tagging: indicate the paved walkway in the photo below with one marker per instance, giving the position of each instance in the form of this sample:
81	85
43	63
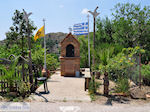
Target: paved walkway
86	107
62	89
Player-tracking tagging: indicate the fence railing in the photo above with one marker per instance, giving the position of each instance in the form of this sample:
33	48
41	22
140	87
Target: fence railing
23	76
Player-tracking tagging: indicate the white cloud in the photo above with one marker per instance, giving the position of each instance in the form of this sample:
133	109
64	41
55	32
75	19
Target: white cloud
85	11
61	6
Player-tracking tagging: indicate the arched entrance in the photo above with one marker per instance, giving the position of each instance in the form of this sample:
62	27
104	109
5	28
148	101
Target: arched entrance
70	50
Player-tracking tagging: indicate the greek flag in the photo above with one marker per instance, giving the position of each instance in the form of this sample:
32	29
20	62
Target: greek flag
80	28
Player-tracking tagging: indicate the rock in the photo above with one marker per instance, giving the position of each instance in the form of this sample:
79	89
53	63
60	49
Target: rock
30	98
132	84
120	94
1	98
13	94
137	93
148	96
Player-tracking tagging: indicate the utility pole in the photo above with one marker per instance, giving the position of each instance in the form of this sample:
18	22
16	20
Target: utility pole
94	14
26	17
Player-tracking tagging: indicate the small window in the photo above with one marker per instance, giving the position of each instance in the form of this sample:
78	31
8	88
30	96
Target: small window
70	51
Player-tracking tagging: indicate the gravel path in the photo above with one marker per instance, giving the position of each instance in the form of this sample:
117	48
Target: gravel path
62	89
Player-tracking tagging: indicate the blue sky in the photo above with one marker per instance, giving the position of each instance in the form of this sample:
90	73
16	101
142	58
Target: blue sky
59	14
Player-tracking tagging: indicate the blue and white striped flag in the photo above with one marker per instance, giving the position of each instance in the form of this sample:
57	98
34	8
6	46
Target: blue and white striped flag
80	28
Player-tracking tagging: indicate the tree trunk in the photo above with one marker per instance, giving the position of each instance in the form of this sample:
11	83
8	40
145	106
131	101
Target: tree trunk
106	84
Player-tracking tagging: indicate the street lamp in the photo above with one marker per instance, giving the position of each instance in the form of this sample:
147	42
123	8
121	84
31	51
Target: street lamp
26	17
94	14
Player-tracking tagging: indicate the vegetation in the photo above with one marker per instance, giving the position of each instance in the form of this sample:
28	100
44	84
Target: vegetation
24	88
9	76
129	27
146	74
122	86
83	51
16	44
93	86
118	44
146	71
52	62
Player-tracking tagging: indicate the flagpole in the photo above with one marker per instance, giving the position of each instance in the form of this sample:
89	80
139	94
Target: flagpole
88	41
44	46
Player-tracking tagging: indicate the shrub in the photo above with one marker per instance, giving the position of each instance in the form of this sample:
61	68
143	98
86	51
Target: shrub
146	71
24	88
52	62
121	65
93	86
122	85
38	59
38	56
10	75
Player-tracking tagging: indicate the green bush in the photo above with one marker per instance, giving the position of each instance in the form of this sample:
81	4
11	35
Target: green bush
38	59
52	62
122	85
24	88
122	64
9	75
119	66
93	86
38	56
83	52
146	71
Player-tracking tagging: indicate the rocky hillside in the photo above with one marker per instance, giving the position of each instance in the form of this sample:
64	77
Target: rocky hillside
53	41
1	42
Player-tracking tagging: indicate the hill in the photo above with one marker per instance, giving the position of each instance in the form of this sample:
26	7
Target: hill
53	41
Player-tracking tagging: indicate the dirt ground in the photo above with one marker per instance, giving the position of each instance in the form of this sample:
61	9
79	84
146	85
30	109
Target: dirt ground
113	99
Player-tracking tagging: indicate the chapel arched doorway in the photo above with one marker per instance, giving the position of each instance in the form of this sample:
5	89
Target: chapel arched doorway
70	50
